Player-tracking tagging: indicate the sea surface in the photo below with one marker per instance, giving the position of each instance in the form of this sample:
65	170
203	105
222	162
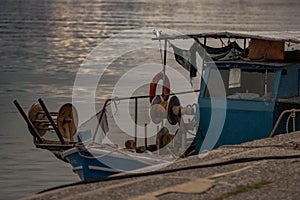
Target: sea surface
44	42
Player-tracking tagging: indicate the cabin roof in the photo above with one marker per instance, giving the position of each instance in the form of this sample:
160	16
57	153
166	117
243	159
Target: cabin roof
293	37
256	63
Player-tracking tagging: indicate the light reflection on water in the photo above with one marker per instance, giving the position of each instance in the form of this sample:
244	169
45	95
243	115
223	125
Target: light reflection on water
43	43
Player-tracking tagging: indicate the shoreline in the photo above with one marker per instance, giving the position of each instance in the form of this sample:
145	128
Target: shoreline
262	169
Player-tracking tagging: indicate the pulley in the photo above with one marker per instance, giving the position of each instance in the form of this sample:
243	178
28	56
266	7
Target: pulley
38	118
174	110
67	120
158	109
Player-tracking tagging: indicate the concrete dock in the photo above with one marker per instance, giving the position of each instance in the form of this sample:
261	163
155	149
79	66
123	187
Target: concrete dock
262	169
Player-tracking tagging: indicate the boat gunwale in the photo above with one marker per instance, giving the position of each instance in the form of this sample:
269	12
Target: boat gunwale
116	154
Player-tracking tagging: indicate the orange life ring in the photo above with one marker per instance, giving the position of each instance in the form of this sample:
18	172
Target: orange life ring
154	83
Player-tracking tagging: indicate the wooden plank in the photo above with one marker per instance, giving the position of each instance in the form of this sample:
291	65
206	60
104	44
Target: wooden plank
266	50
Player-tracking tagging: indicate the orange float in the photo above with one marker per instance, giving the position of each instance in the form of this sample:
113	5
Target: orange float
153	85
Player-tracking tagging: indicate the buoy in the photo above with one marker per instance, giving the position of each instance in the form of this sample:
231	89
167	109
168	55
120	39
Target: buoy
153	85
158	109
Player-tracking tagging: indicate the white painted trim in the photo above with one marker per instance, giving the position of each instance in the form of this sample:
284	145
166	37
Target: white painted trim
77	168
69	152
104	169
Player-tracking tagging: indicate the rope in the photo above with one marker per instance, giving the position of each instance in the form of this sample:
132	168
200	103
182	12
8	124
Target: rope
157	35
121	151
291	144
96	157
116	101
293	116
161	57
287	124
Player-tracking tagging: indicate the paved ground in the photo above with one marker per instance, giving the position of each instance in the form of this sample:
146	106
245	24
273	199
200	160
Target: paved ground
262	169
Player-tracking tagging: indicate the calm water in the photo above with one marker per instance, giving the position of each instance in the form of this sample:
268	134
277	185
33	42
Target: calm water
43	43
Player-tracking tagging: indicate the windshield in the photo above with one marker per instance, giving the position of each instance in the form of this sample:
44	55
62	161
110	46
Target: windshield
244	83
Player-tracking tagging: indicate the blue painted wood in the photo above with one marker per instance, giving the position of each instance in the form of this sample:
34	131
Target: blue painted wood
246	119
288	83
86	161
82	165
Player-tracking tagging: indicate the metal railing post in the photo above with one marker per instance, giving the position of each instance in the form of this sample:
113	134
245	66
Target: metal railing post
280	118
58	133
33	130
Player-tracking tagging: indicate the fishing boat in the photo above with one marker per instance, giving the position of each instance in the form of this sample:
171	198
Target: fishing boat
250	89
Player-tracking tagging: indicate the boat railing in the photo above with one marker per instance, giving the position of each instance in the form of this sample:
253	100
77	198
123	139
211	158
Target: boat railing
135	98
50	125
64	135
293	113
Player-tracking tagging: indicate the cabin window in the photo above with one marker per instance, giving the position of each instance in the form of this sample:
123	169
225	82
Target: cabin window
241	83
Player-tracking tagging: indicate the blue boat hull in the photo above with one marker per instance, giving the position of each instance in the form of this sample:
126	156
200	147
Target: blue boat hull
89	165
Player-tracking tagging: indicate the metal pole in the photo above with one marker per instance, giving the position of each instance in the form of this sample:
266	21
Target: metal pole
58	133
244	47
279	119
135	120
158	141
100	118
164	67
146	137
32	129
266	84
204	53
132	97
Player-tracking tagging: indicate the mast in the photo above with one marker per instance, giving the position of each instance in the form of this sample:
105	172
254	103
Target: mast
164	67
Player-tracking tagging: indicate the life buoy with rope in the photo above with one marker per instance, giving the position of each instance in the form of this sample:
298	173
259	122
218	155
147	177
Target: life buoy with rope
166	91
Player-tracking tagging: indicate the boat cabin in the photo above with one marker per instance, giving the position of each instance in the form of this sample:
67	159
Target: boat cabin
251	96
254	96
250	87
